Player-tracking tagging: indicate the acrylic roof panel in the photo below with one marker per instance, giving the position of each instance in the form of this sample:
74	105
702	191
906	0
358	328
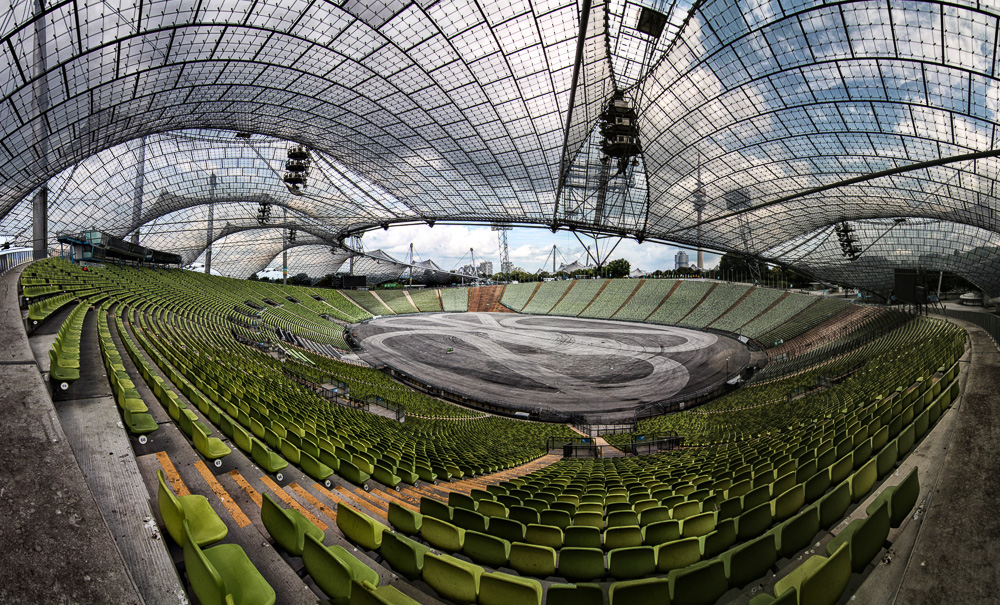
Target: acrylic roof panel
463	111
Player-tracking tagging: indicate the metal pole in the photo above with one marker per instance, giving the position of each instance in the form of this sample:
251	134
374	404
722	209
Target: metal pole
40	204
137	189
211	225
581	43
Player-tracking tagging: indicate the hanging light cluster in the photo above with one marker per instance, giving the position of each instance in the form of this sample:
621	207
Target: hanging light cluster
291	236
618	127
297	168
848	243
263	213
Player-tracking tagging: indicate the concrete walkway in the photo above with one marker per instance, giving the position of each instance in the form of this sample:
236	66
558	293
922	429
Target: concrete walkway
56	546
955	558
607	450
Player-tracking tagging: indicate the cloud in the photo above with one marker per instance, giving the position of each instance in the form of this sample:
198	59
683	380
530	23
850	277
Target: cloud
448	246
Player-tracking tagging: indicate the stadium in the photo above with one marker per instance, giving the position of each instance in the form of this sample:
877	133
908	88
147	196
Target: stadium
175	429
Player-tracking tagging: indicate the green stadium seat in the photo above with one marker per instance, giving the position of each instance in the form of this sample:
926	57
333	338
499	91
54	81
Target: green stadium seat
582	537
863	480
699	584
677	554
319	471
817	485
333	568
685	510
833	505
661	532
491	508
139	424
864	536
788	503
901	499
204	524
523	514
533	560
505	589
508	529
404	555
486	549
460	500
819	580
581	564
404	519
622	518
442	534
629	563
622	537
906	439
544	535
267	460
350	471
574	594
753	522
698	525
288	527
797	533
429	507
468	519
211	448
750	560
359	528
886	458
648	590
719	540
223	574
452	578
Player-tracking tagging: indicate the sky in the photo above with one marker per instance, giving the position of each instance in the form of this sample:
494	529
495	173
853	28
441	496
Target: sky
448	246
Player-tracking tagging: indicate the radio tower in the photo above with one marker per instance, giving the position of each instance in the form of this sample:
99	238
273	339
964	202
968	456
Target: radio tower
502	230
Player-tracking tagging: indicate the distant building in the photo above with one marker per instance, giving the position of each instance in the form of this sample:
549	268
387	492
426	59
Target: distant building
681	260
486	268
507	267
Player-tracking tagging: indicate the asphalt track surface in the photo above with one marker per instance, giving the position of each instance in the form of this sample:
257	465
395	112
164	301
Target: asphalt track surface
565	364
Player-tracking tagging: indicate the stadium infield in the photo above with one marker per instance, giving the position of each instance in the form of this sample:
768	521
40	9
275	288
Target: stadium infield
564	364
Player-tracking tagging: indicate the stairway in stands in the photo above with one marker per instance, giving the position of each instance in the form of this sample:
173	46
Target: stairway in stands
309	345
486	299
440	491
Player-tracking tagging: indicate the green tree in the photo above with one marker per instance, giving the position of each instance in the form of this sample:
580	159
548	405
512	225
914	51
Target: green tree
618	268
300	279
736	267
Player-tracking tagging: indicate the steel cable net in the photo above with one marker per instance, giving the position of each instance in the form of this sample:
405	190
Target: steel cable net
466	111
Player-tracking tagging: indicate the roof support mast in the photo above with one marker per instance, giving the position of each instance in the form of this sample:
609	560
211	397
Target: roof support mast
137	190
40	90
213	181
577	65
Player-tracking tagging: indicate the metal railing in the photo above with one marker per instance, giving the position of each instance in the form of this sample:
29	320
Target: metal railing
14	257
331	395
587	447
989	322
598	429
393	407
644	444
